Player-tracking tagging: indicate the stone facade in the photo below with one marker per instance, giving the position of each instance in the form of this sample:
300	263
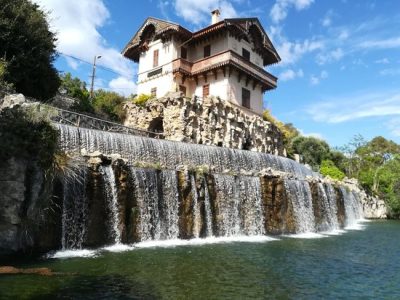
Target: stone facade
208	121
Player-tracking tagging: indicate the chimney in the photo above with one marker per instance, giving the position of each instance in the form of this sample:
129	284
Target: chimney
215	16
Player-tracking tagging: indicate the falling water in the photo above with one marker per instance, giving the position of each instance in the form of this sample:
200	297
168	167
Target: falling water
196	208
170	154
169	205
332	207
74	213
208	214
112	201
300	196
352	206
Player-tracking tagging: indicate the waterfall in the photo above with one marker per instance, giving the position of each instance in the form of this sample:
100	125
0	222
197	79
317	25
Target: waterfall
299	194
352	206
170	154
112	202
332	209
239	205
75	210
144	203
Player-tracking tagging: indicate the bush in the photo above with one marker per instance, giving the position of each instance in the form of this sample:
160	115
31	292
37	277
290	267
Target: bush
110	105
27	134
141	99
328	168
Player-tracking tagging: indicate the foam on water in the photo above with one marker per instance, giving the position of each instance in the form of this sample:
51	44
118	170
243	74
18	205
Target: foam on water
73	253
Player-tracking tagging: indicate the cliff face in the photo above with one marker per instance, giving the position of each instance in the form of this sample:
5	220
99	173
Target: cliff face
209	121
28	214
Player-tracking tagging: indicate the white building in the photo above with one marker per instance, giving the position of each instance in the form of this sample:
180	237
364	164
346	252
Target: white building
226	59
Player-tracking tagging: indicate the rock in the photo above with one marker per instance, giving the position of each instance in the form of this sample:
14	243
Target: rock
38	271
10	101
209	122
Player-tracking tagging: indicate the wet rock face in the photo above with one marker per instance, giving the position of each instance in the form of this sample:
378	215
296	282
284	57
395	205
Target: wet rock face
209	122
29	214
278	210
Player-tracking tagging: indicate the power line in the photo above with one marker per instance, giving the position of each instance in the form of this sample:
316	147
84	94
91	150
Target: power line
89	63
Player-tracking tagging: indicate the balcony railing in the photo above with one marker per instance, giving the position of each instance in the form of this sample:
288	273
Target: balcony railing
222	59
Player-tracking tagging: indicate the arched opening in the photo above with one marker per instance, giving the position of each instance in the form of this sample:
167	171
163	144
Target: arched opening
157	126
246	144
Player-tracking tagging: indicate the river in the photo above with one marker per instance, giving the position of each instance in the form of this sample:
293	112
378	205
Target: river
361	263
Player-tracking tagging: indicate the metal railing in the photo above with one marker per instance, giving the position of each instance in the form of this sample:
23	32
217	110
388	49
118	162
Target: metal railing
73	118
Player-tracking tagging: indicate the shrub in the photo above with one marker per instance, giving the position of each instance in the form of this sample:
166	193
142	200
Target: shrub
141	99
328	168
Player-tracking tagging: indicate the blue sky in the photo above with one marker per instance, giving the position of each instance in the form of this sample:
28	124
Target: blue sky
340	69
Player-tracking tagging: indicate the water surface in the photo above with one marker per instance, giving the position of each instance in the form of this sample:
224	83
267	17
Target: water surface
357	264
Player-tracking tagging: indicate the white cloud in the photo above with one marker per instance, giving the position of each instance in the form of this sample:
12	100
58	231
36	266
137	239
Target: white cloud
390	72
316	79
122	86
344	34
354	107
280	9
311	134
198	12
290	74
381	44
77	24
331	56
383	61
394	126
292	52
327	19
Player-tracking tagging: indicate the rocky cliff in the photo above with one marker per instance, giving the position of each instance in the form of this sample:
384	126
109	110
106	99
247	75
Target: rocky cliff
208	121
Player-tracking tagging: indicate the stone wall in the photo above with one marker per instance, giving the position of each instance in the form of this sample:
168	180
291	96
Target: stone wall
208	121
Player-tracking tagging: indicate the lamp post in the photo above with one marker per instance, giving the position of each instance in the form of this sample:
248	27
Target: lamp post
93	74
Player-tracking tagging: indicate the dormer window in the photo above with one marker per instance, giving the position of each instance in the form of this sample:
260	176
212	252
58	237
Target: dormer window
183	53
207	51
246	54
155	58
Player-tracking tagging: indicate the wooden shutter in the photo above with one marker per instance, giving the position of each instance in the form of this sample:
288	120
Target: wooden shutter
182	89
246	98
183	53
155	58
154	92
207	51
245	54
206	90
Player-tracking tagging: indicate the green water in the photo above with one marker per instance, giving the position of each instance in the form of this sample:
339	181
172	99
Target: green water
358	264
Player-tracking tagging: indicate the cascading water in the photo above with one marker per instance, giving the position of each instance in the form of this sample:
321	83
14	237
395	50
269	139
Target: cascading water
75	211
352	206
170	154
183	203
112	201
300	195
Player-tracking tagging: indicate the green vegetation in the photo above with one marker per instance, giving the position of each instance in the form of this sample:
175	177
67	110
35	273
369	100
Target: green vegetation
328	168
375	164
141	99
28	48
27	134
105	104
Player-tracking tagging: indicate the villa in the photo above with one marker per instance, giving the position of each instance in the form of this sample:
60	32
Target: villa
226	60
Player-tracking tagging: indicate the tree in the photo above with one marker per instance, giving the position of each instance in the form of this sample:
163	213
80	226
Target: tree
109	105
312	150
28	47
76	88
328	168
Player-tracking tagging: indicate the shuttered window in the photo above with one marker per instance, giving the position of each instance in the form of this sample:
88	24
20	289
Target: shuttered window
246	98
154	92
183	53
207	51
155	58
206	90
182	89
245	54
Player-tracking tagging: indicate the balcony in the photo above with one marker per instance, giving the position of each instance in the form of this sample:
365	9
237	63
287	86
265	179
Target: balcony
227	58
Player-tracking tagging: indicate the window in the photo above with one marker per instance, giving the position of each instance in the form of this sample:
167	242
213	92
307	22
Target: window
155	58
206	90
245	54
183	53
182	89
207	51
246	98
154	92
